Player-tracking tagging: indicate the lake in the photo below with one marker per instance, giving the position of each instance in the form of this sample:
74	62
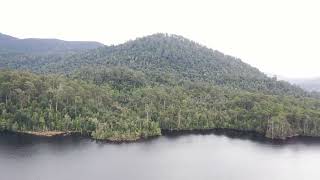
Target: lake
185	157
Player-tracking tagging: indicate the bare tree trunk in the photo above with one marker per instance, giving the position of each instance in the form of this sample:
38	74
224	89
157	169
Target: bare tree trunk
179	118
75	109
147	111
56	109
50	105
272	130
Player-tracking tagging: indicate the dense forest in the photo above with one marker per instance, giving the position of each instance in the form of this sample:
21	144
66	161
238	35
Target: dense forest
139	88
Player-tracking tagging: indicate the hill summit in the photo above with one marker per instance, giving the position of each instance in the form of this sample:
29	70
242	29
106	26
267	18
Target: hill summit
162	55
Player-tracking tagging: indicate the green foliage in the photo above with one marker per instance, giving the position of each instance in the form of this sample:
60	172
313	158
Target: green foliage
118	108
42	103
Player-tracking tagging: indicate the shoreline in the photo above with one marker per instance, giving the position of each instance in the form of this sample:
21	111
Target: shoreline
45	133
230	133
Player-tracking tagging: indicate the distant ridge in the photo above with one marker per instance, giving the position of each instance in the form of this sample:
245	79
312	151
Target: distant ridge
9	44
307	84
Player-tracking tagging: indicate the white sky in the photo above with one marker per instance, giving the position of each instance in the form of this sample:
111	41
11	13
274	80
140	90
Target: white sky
277	36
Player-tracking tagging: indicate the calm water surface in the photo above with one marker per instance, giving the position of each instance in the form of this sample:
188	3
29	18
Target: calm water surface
187	157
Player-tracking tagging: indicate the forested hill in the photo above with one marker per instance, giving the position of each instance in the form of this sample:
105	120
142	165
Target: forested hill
158	56
9	44
154	83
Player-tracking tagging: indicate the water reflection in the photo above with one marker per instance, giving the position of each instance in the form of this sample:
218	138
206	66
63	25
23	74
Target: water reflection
189	156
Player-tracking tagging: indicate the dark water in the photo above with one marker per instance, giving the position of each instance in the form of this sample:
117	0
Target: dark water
187	157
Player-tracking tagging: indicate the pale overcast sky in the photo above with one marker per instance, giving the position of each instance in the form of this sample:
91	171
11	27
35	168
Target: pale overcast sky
277	36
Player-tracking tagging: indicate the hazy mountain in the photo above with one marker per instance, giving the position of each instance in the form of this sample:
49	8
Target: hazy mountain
9	44
307	84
